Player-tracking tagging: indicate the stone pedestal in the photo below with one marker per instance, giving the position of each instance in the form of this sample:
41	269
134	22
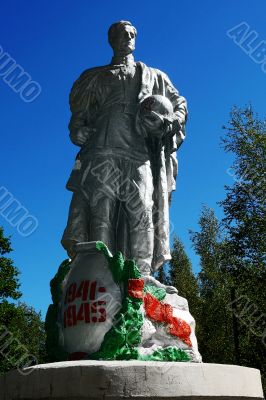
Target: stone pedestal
104	309
87	380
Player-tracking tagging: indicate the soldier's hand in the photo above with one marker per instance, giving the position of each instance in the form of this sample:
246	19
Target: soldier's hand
176	126
172	127
83	135
168	127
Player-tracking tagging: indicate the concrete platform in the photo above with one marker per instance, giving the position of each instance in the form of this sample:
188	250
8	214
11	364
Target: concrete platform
80	380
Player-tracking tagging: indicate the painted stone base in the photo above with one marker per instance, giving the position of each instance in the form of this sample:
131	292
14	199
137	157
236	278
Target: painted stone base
87	380
104	309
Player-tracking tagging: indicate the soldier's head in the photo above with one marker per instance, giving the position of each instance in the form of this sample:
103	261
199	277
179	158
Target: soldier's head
121	36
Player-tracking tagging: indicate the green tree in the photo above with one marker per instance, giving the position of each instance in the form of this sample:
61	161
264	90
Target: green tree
244	205
245	221
216	335
21	328
9	283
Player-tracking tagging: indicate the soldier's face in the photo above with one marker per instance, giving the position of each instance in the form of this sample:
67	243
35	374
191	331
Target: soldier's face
124	42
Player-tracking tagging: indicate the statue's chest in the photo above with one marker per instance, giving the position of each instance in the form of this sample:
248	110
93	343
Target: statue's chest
120	83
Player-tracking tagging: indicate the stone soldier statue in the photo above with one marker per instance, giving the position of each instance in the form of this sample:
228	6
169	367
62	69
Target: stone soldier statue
129	120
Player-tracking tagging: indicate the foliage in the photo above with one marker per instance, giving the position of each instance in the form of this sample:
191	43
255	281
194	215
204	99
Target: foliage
22	336
9	283
216	336
244	205
21	329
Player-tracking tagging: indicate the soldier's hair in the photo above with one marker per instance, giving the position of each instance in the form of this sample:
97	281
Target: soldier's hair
115	28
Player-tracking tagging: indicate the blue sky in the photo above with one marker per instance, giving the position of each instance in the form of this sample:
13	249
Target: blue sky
54	42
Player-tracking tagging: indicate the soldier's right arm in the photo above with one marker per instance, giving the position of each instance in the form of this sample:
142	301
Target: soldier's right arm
81	105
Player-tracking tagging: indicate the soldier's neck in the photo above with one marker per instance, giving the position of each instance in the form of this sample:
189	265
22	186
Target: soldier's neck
122	59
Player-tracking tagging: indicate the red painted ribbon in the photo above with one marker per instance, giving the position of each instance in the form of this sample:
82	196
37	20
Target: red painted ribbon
160	312
164	313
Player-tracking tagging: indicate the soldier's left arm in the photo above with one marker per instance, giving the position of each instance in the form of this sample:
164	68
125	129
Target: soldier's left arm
163	86
179	103
180	110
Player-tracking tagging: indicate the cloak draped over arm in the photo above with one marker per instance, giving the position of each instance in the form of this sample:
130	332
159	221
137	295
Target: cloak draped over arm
157	82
